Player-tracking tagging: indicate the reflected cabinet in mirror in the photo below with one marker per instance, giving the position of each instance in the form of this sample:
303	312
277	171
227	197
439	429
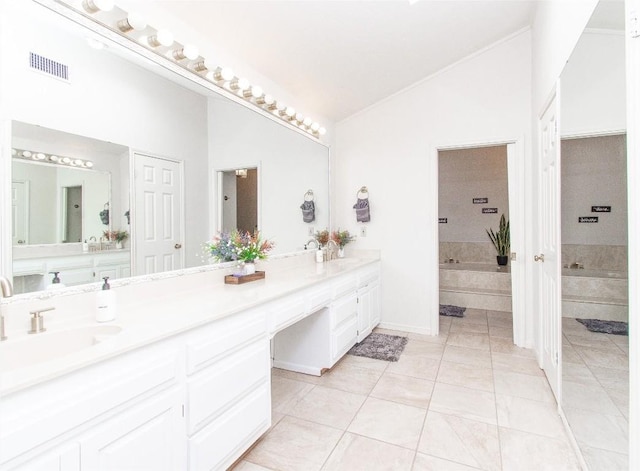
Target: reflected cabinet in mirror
142	126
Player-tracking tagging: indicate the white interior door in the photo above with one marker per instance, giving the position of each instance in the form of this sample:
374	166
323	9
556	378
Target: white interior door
549	258
19	212
157	216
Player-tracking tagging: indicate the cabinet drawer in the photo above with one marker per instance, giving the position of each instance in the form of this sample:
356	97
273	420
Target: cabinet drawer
343	309
319	298
223	337
343	339
222	442
286	313
219	386
344	286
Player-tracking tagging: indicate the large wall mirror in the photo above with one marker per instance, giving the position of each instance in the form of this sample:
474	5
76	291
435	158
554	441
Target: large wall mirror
114	104
595	371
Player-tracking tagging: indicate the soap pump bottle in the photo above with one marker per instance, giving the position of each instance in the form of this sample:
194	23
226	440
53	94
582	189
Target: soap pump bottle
105	303
319	255
55	282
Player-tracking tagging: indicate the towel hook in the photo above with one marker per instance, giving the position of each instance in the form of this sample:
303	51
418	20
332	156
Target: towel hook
364	191
308	196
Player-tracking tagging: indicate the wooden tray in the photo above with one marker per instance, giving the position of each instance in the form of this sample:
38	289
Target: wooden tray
238	280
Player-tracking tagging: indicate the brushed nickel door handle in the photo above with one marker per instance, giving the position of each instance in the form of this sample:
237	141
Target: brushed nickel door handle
177	246
539	258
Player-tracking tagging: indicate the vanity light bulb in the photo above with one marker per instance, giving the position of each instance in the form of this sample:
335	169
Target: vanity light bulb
161	38
290	112
243	84
136	21
54	158
26	153
299	117
269	100
191	52
88	164
133	21
315	127
39	156
65	160
322	131
94	6
307	121
227	74
256	91
77	162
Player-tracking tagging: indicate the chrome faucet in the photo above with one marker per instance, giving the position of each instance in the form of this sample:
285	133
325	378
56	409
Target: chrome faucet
310	241
7	291
37	320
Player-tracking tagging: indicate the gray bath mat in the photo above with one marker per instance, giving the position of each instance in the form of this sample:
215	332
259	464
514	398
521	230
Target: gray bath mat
380	347
452	311
605	327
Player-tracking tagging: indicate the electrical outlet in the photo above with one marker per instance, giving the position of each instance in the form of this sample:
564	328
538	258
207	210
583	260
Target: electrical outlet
312	232
363	231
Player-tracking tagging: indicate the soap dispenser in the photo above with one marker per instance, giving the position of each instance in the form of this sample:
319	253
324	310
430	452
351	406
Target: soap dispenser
319	255
105	303
55	282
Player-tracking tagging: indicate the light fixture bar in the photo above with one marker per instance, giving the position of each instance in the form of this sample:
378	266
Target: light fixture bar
134	28
30	155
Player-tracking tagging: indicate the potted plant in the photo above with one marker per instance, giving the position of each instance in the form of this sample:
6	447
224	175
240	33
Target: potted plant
242	247
116	236
341	238
501	240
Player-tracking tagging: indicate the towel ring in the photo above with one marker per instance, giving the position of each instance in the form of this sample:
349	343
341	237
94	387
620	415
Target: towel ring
363	191
308	196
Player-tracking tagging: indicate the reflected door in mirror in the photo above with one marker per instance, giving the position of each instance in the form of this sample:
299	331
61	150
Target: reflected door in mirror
19	212
158	215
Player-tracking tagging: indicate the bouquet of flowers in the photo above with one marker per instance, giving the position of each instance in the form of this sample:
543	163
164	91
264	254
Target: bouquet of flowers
238	246
322	237
341	238
117	235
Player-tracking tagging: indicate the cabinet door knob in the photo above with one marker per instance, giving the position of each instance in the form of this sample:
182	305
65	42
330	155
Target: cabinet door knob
177	246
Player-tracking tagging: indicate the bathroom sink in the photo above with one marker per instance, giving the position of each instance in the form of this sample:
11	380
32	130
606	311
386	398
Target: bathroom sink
37	348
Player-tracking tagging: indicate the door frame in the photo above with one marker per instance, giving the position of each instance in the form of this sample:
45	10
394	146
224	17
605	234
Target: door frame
217	194
516	179
132	194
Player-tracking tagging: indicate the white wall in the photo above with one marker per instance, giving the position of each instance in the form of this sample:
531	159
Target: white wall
593	85
109	99
594	174
391	148
465	174
288	165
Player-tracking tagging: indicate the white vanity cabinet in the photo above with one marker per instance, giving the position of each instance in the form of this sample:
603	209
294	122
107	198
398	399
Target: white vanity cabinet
111	412
350	312
368	303
228	389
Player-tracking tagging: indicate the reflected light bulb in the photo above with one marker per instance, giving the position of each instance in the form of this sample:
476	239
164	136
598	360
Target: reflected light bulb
307	121
243	84
315	127
88	164
26	153
322	131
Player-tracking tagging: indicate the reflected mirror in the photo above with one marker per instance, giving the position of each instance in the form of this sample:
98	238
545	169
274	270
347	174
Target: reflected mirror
114	95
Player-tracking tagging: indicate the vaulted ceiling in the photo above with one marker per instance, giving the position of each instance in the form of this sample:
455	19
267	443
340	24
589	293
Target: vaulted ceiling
342	56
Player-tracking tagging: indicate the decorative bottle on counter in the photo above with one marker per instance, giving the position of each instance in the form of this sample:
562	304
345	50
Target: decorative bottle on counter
105	303
319	255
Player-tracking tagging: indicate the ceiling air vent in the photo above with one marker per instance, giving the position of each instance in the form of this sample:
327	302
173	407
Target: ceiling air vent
48	66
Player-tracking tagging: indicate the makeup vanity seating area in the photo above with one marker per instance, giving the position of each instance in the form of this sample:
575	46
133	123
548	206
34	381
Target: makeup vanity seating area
181	379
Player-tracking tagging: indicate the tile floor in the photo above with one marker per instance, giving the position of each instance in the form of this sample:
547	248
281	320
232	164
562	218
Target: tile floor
467	399
596	394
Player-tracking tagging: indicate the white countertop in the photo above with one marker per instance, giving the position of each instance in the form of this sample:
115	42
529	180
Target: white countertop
156	310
